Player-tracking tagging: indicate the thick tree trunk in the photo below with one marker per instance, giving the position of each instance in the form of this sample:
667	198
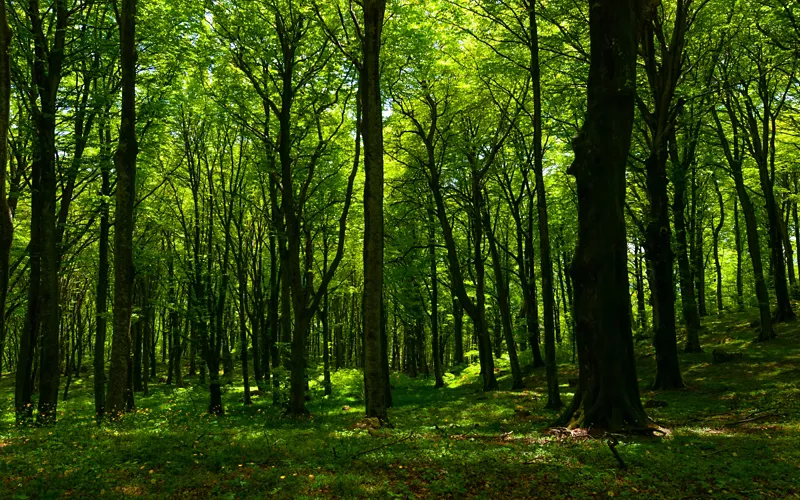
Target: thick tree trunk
369	88
125	163
608	391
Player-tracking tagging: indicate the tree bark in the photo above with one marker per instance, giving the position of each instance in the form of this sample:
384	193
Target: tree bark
505	309
717	231
125	163
739	250
369	87
6	219
691	318
437	362
545	262
608	392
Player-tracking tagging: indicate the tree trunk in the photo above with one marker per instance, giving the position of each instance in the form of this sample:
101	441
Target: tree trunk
369	88
125	163
691	318
608	392
458	332
717	231
659	251
437	361
785	311
787	242
505	308
734	158
6	220
326	336
531	301
739	250
641	306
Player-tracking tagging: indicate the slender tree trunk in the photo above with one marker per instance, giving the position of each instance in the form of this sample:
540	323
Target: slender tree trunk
458	332
751	226
717	231
147	333
641	306
608	391
699	266
505	308
739	250
437	361
242	278
691	318
793	288
137	344
785	311
481	325
796	221
659	250
734	158
326	336
532	303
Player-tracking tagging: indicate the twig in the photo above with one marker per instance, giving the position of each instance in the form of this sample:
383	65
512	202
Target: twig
382	446
752	419
612	445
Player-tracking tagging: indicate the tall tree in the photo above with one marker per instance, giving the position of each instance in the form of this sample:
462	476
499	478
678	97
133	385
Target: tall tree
608	391
664	64
125	164
41	328
372	129
6	221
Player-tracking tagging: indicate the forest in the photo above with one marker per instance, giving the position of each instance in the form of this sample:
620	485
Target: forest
399	248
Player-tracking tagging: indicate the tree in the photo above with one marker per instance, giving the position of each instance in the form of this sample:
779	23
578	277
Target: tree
49	37
125	164
6	221
608	391
372	129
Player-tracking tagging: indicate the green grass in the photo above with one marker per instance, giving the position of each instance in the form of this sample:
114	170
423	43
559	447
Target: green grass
453	442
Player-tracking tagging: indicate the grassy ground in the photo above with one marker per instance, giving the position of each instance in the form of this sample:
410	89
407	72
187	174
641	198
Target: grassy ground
733	433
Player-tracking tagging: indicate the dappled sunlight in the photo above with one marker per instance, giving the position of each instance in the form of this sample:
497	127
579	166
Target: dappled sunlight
714	435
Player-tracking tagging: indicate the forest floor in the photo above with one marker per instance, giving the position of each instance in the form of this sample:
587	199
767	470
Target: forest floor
734	432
